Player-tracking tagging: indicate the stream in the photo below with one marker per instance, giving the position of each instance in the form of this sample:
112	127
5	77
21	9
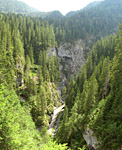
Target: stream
55	121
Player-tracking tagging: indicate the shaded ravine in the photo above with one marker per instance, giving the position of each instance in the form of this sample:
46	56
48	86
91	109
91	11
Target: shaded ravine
55	122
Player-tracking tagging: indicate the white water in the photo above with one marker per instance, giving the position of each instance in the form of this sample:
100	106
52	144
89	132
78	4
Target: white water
52	124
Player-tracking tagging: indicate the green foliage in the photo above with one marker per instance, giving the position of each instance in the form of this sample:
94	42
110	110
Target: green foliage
16	123
93	100
95	97
89	24
17	130
22	39
63	93
49	67
71	94
117	75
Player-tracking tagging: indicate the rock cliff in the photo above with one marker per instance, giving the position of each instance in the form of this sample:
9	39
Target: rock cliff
90	139
71	57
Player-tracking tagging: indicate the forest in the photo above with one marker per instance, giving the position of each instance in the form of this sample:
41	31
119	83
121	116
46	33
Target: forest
31	79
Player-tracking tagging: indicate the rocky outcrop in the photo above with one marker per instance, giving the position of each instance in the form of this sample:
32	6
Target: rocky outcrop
90	139
71	56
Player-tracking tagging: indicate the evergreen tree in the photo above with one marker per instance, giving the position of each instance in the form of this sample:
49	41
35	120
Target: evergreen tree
27	67
105	78
62	133
117	71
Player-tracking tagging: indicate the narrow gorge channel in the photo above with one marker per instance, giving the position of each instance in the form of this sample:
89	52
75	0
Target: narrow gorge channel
55	120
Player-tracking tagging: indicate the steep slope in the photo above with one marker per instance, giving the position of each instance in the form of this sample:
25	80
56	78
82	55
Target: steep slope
97	20
54	124
94	100
19	7
92	4
91	23
28	92
71	57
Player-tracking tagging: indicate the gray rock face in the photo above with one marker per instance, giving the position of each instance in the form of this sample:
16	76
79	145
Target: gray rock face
71	56
90	139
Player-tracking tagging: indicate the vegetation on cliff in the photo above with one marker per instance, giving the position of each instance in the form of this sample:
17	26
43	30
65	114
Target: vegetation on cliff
29	79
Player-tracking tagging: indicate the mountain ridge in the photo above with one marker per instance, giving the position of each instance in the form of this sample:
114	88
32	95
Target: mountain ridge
15	6
18	6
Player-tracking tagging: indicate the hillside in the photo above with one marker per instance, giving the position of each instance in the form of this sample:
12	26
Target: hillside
92	4
61	75
15	6
91	23
94	100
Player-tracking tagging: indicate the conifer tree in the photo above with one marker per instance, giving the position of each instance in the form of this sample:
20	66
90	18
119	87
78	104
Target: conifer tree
27	67
71	94
117	66
91	95
61	134
105	78
31	55
40	75
63	94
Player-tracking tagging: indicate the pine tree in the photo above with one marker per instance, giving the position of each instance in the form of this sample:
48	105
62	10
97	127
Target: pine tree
63	94
40	75
27	67
42	108
61	134
16	123
71	94
105	78
117	66
91	95
31	55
